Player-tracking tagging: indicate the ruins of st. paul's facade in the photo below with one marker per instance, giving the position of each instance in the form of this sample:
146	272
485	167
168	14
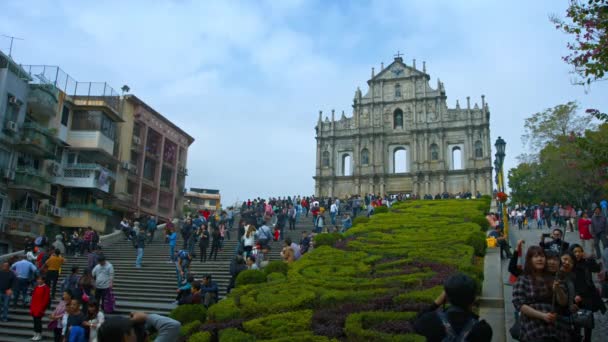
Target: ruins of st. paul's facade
403	138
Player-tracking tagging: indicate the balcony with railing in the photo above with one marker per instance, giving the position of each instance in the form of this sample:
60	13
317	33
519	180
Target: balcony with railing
43	100
91	176
37	140
26	215
32	180
85	94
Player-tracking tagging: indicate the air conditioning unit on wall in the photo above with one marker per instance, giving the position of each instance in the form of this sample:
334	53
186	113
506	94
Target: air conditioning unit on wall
11	126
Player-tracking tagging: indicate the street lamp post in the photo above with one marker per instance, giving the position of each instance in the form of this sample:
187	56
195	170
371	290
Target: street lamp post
498	165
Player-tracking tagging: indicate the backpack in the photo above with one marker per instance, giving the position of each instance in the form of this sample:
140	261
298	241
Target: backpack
450	334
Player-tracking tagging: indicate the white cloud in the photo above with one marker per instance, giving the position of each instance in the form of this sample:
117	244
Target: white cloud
247	79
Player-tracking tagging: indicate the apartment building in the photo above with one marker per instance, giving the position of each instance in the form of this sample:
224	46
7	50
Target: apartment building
14	91
153	154
202	199
77	154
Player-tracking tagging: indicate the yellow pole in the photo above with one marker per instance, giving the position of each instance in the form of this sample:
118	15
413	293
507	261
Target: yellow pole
504	213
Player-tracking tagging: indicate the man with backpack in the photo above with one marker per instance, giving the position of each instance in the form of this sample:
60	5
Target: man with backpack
264	235
457	322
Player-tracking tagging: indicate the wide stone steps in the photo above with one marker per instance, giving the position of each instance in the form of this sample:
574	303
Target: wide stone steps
151	288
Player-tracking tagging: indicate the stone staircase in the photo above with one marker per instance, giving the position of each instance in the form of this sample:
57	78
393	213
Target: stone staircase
150	288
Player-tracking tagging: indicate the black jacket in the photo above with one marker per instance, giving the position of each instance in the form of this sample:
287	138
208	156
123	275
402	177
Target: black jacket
429	325
7	280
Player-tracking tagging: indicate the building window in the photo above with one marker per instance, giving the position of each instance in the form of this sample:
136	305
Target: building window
434	152
456	158
149	169
397	90
212	202
398	118
346	165
65	116
94	121
399	160
325	159
5	159
478	149
364	157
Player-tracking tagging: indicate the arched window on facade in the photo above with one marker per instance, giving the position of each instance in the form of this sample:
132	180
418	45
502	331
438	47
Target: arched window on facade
478	149
325	159
456	158
397	90
398	118
399	160
346	165
434	152
364	156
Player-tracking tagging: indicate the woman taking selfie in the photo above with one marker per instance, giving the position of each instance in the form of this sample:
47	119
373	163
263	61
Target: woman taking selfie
533	298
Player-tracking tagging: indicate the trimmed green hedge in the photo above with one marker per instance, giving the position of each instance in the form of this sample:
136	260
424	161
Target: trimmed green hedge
280	325
189	313
203	336
393	260
190	328
356	326
277	266
236	335
248	277
360	219
380	209
327	239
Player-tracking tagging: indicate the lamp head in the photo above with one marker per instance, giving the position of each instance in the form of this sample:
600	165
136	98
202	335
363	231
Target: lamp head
500	148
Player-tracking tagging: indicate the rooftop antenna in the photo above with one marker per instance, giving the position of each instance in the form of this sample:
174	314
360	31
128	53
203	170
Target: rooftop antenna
10	49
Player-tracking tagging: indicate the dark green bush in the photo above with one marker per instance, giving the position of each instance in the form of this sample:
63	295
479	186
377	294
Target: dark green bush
381	209
477	240
276	276
235	335
190	328
224	310
279	325
327	239
189	313
250	277
356	326
276	266
360	219
203	336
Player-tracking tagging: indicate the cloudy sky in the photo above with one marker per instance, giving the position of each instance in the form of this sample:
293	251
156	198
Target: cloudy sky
247	79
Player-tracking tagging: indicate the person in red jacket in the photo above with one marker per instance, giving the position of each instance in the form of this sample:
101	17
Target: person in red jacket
41	299
585	234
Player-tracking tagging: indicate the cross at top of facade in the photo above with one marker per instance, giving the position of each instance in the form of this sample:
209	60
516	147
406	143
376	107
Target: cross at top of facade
398	55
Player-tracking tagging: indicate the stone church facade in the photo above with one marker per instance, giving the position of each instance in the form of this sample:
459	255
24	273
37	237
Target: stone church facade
403	138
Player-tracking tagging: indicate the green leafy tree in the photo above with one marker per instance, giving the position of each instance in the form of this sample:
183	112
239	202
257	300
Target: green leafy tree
551	124
587	23
525	181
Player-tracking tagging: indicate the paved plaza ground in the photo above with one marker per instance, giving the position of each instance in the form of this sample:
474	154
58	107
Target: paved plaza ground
532	237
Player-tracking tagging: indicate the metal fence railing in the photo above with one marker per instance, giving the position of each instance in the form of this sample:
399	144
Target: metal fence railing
83	93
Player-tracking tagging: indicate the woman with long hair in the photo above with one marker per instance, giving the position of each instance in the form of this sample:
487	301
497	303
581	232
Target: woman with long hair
533	298
248	240
587	296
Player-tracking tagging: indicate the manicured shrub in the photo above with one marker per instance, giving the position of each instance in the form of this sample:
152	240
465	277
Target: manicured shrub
188	313
304	336
203	336
360	219
223	310
327	239
359	326
250	277
189	328
235	335
276	266
276	276
279	325
380	269
421	296
478	242
381	209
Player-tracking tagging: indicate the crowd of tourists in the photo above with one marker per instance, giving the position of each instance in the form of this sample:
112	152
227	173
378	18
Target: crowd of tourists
557	285
31	281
